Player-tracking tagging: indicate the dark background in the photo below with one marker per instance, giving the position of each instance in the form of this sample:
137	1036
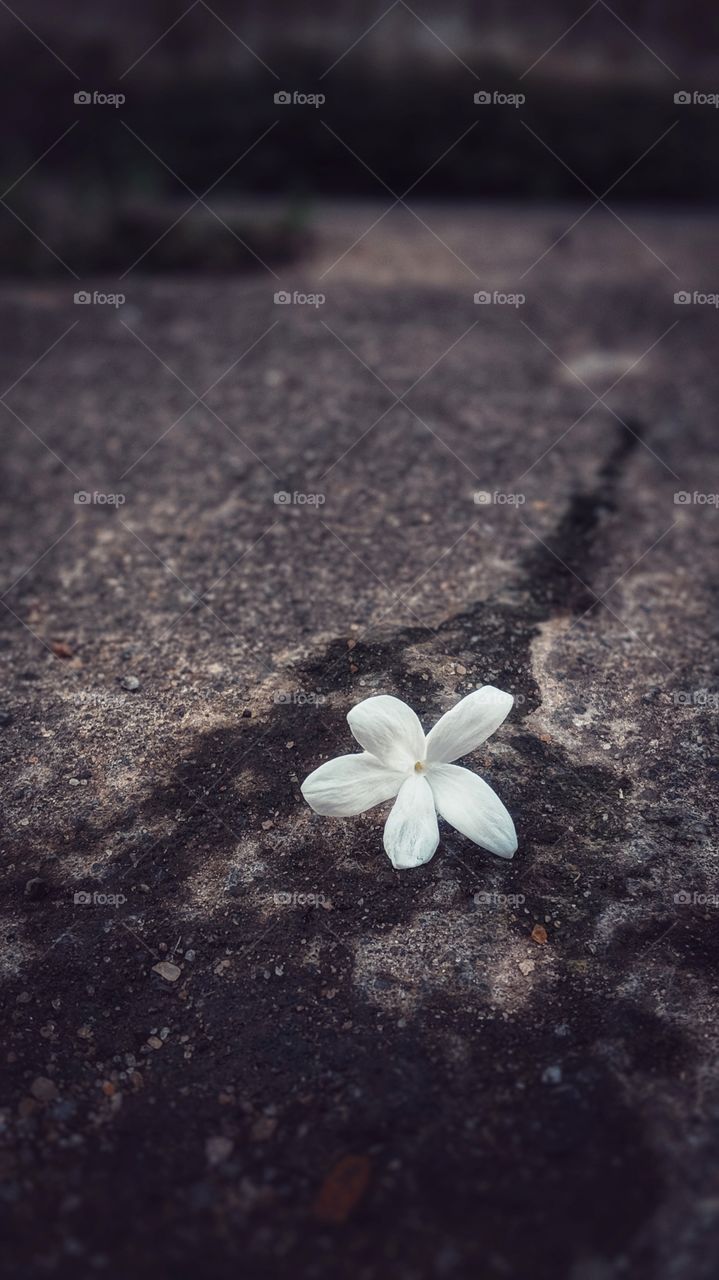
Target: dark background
205	92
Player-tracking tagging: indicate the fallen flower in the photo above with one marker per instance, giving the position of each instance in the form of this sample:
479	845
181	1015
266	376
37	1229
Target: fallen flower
398	760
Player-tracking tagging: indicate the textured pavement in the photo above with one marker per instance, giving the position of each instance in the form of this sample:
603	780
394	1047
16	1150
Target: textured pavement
475	1067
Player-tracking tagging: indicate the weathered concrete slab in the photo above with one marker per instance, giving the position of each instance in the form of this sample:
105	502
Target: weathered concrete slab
177	664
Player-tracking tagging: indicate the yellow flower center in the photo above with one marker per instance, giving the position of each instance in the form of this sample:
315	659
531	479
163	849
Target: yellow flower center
419	767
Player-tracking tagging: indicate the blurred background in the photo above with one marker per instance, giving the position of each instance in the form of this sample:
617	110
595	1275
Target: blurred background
199	85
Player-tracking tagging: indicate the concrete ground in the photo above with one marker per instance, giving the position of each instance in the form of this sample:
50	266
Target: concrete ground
234	1036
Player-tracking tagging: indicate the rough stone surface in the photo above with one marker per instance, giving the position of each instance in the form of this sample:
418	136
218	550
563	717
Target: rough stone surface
478	1067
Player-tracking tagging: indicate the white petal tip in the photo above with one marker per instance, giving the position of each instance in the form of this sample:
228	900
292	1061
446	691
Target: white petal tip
507	855
504	845
409	864
307	797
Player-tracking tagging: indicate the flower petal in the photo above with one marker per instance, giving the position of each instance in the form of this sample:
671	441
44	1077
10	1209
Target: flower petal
411	834
389	729
470	805
350	784
468	724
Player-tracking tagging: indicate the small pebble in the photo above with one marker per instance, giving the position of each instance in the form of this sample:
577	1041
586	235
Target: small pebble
263	1129
552	1075
170	972
218	1149
43	1089
131	683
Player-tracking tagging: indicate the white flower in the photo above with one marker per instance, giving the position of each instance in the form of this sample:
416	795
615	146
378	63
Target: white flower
398	760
